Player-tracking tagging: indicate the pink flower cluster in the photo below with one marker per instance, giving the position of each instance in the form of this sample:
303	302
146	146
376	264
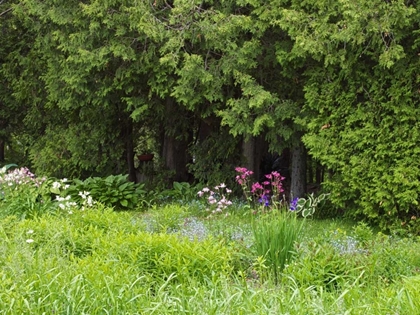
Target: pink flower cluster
20	176
243	176
269	189
217	199
275	180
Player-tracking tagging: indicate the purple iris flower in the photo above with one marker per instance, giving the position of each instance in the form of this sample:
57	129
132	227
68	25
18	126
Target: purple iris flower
264	199
293	204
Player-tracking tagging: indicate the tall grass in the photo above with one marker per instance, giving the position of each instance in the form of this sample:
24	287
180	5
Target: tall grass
275	236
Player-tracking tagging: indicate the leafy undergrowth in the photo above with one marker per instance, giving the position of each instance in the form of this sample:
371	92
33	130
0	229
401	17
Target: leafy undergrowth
174	260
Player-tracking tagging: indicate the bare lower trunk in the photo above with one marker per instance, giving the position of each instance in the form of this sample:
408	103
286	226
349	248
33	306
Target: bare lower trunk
175	148
126	136
319	177
129	146
253	150
2	145
175	157
248	152
298	174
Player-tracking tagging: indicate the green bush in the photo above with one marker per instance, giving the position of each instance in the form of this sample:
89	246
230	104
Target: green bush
320	265
336	259
181	192
113	191
162	255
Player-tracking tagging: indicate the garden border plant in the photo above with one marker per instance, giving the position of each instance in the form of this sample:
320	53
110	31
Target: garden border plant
276	226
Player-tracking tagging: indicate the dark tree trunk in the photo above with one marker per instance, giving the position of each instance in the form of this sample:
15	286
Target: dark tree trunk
175	157
311	165
248	152
253	151
319	174
205	129
298	174
129	149
175	147
2	145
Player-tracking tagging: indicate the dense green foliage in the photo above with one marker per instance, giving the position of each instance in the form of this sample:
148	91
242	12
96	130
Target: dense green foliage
207	85
113	191
362	102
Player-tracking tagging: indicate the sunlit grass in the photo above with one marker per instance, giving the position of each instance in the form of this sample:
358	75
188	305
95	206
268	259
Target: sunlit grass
171	260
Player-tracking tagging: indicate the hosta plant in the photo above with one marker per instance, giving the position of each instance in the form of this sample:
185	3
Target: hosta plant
307	206
113	191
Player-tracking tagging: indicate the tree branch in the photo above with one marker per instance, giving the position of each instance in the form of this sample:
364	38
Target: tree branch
5	12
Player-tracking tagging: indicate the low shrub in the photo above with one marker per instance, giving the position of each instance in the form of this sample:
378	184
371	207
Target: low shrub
94	235
336	259
113	191
181	192
162	255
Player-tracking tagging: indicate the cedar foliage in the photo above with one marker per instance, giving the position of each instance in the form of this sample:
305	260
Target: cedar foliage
342	73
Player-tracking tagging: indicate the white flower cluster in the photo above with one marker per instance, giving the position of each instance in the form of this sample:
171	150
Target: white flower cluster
60	184
87	199
65	204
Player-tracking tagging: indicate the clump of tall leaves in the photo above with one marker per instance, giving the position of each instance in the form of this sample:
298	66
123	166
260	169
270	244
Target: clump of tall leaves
180	192
275	236
308	205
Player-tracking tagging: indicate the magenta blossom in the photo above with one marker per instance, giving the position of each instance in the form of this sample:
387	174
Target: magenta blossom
255	187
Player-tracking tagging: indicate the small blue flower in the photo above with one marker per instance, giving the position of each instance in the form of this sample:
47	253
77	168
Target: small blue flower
264	199
293	204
